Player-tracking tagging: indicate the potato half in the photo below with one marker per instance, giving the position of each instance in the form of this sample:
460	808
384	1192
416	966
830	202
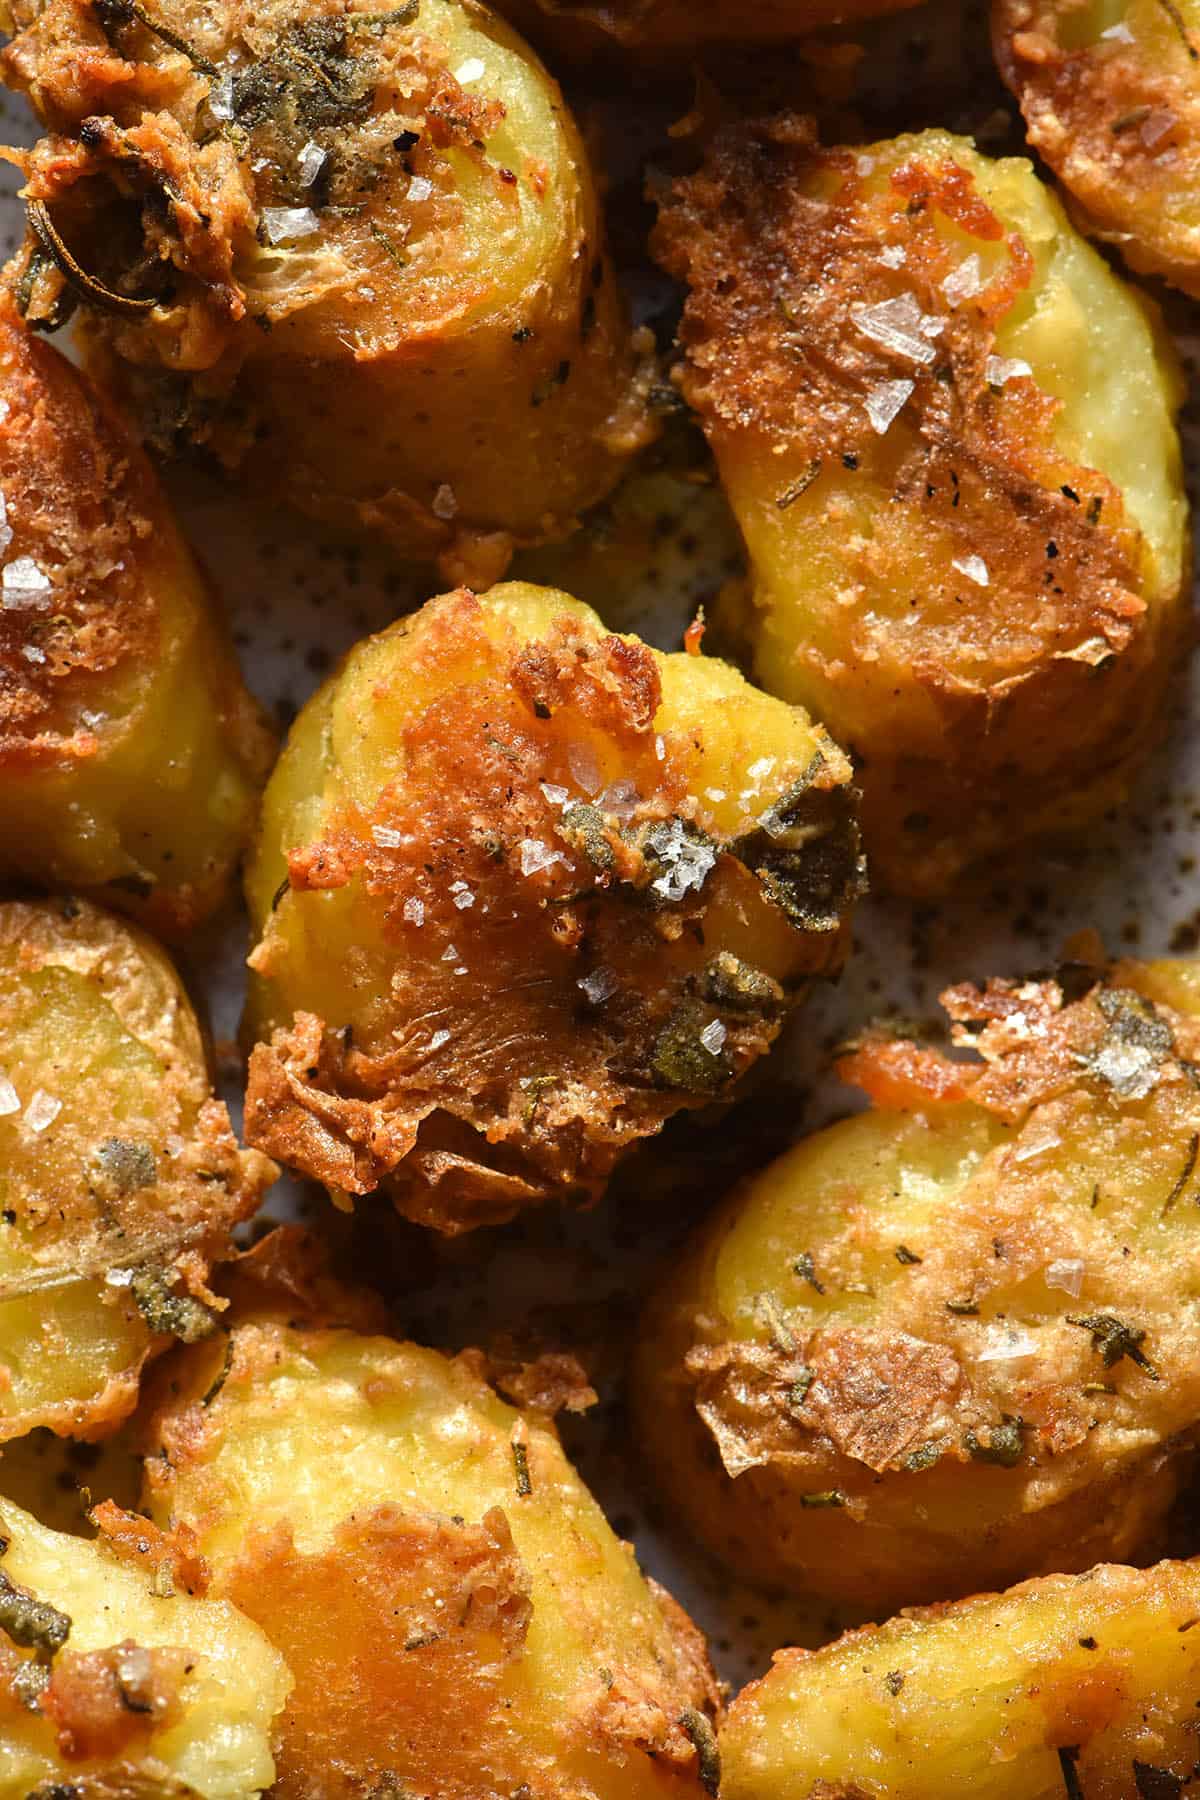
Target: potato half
120	1178
918	379
118	1678
1075	1687
130	752
458	1616
361	248
523	890
953	1341
1110	90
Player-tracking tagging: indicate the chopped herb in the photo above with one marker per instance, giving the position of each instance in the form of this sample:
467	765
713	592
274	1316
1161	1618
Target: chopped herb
828	1497
893	1681
1113	1339
1185	1174
906	1256
113	14
965	1309
86	286
422	1640
32	1623
678	1058
704	1741
1087	1643
586	829
168	1313
806	1269
1095	507
738	987
387	244
923	1457
127	1164
222	1375
521	1462
30	1682
407	140
807	853
849	460
1068	1756
1138	1041
1003	1446
1176	17
280	891
801	485
798	1392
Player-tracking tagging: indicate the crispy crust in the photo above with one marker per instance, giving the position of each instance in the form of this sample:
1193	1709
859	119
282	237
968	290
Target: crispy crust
537	1091
1118	122
881	1451
963	745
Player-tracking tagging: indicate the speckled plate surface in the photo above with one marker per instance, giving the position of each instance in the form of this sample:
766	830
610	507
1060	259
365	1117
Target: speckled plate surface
297	599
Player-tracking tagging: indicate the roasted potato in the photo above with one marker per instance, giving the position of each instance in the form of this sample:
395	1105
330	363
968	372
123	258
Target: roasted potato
118	1678
458	1617
678	25
918	381
1110	90
1070	1687
361	251
953	1341
522	891
130	752
120	1178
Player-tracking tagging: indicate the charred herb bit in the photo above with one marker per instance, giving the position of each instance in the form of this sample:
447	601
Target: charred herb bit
1153	1783
1138	1041
127	1164
963	1309
807	853
56	1790
678	1058
387	244
30	1681
806	1269
704	1741
736	986
313	76
280	891
801	485
585	828
222	1375
1113	1339
1087	1643
923	1457
893	1681
32	1623
1003	1446
168	1313
113	14
905	1256
37	263
798	1392
521	1464
422	1640
86	286
1068	1756
829	1497
1185	1174
1177	20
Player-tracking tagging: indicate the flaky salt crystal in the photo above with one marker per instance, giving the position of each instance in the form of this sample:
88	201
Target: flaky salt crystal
900	326
42	1110
713	1037
688	861
581	760
998	370
450	953
884	402
964	282
974	568
310	162
1118	34
599	986
1066	1273
555	795
438	1039
892	256
6	535
283	222
387	837
414	911
1155	127
24	584
470	70
445	503
1006	1343
536	856
10	1100
220	97
419	188
621	799
32	653
463	897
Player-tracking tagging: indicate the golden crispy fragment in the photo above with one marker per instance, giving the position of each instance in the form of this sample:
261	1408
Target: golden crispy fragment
130	751
917	379
450	1599
356	253
522	891
1075	1687
1110	90
120	1179
114	1686
579	27
953	1341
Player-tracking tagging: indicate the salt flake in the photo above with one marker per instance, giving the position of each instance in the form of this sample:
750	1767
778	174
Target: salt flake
1118	34
438	1039
688	860
42	1110
283	222
963	282
6	535
884	402
10	1100
310	162
419	188
1006	1343
893	256
974	568
536	856
387	837
581	760
414	912
470	70
1066	1273
713	1037
220	97
24	584
445	502
900	326
463	897
555	795
599	986
998	370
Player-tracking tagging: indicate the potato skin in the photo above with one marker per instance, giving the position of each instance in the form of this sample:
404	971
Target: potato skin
454	1608
951	1342
423	338
155	1689
510	869
1111	99
120	1178
983	599
1071	1685
130	751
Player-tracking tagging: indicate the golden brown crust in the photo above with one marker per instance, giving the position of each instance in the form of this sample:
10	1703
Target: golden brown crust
541	1083
1015	1391
955	705
109	1703
1118	120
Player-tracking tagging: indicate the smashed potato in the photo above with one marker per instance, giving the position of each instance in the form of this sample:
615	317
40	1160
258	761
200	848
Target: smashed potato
453	1606
130	752
120	1178
1110	90
522	891
360	251
953	1341
918	380
116	1681
1075	1687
